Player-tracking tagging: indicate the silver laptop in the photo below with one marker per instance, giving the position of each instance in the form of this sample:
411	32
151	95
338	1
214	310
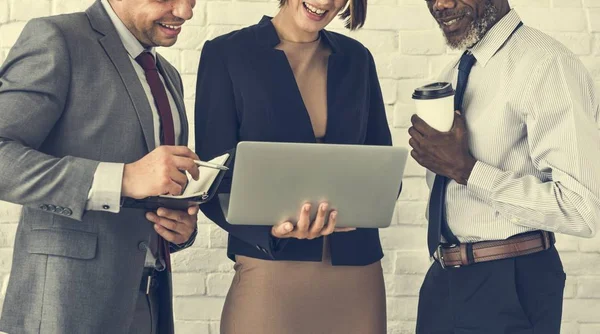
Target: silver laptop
271	181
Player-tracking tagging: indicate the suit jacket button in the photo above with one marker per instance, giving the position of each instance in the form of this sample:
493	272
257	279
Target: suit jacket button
106	207
60	210
143	246
67	212
52	208
44	207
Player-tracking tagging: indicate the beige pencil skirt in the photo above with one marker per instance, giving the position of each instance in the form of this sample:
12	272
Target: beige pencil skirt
290	297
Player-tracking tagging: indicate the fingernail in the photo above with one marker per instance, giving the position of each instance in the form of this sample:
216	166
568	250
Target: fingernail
334	214
323	207
306	207
288	227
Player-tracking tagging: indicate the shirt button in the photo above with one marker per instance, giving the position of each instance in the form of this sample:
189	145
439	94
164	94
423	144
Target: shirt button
142	246
106	207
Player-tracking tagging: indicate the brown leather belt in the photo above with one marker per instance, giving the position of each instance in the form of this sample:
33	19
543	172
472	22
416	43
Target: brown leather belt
465	254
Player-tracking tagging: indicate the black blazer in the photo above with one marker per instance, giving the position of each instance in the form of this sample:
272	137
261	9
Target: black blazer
246	91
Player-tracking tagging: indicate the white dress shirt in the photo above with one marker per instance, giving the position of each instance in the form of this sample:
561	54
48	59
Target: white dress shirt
531	110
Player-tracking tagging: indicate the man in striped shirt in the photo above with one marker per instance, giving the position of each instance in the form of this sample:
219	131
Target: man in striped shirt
521	162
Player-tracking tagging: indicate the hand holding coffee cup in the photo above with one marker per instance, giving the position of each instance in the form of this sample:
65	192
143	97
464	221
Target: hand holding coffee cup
435	105
438	135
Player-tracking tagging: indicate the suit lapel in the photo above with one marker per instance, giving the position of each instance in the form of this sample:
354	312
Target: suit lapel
344	113
169	77
118	55
347	101
285	90
279	78
340	106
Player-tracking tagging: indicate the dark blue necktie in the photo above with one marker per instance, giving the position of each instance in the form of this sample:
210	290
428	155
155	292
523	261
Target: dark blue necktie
437	221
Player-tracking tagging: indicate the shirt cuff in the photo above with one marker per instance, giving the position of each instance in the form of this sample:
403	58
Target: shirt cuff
482	179
188	243
105	193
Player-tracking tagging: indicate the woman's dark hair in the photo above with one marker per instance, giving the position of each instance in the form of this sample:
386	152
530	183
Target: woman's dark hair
355	13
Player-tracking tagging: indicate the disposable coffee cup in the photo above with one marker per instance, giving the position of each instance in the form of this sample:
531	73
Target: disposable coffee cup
435	105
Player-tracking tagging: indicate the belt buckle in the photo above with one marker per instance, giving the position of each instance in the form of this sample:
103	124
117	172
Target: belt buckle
548	239
440	255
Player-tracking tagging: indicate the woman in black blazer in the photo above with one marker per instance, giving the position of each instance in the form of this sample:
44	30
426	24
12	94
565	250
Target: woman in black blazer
287	79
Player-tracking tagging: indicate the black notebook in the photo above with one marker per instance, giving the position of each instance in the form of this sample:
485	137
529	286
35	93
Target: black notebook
195	193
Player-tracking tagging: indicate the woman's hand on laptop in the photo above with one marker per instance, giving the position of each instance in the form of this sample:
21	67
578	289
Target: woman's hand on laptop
304	229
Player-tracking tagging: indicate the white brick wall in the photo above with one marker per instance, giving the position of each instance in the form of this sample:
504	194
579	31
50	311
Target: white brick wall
409	51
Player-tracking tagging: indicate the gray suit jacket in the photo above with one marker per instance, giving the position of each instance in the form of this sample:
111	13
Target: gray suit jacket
70	98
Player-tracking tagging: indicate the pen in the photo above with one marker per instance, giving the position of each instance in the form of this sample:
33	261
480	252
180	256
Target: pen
210	165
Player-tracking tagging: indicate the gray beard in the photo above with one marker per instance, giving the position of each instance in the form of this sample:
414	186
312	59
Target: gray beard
477	30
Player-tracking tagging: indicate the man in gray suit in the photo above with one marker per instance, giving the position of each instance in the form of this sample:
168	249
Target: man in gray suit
89	114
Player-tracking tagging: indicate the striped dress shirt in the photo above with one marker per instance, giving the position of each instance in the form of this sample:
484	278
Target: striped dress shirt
531	111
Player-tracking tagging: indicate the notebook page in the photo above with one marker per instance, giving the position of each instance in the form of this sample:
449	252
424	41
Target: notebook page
207	177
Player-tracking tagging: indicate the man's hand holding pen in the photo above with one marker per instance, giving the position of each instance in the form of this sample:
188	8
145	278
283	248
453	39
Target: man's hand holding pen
160	172
163	171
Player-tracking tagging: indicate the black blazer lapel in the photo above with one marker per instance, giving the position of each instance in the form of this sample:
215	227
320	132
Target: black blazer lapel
276	72
346	111
346	116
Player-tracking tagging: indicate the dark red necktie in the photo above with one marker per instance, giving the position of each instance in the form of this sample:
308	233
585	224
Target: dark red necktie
146	60
167	130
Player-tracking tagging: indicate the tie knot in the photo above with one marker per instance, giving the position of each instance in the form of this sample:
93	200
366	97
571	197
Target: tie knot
466	61
146	61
